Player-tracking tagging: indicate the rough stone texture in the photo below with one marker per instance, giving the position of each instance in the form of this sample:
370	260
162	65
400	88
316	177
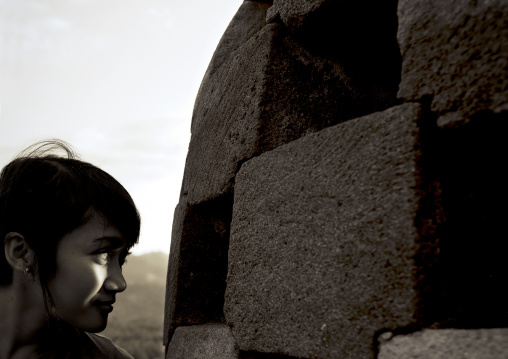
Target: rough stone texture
294	12
272	15
258	355
212	341
197	264
446	344
248	20
455	52
270	91
172	275
323	239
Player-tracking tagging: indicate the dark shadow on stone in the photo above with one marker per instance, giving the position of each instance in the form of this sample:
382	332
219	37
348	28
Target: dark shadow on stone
362	35
307	90
203	263
462	270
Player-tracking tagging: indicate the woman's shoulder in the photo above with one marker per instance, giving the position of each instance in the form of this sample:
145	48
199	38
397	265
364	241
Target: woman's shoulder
82	345
98	346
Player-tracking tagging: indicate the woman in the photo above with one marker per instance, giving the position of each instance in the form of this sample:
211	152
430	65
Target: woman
67	228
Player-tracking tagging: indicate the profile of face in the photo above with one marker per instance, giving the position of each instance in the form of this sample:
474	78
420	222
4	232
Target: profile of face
88	274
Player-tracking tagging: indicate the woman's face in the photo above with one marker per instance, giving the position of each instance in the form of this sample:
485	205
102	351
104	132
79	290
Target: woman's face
88	274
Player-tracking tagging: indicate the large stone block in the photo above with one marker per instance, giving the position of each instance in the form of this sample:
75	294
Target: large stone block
212	341
323	239
270	91
197	264
455	52
328	227
446	344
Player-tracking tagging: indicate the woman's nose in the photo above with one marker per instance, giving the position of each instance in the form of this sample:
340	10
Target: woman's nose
115	282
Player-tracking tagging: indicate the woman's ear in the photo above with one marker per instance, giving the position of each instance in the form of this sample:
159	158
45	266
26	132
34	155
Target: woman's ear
17	251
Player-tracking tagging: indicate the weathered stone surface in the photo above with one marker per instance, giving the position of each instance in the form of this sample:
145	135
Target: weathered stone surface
323	239
269	92
248	20
258	355
272	15
446	344
197	264
456	52
172	275
294	12
212	341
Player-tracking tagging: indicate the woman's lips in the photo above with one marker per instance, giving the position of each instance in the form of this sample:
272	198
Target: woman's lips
105	306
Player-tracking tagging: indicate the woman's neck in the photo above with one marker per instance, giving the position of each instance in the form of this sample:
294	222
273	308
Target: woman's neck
23	319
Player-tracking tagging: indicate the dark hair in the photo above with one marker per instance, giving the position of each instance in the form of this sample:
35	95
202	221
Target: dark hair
44	196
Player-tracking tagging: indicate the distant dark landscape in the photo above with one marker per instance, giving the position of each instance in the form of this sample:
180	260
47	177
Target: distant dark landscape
137	320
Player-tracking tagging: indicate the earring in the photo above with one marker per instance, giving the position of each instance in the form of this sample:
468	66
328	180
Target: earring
27	270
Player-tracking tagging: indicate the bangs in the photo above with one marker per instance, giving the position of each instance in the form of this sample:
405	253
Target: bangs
106	196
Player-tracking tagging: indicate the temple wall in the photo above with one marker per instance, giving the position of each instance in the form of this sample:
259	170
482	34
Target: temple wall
344	193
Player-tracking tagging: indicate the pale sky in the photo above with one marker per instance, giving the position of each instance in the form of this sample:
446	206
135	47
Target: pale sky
117	79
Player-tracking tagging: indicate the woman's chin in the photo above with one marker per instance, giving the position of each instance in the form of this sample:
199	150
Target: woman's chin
97	328
94	326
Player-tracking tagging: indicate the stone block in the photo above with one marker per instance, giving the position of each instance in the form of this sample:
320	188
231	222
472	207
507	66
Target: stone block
172	275
270	91
323	239
197	265
248	20
455	52
212	341
446	344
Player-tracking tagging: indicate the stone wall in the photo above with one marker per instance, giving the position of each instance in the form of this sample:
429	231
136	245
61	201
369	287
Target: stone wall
344	194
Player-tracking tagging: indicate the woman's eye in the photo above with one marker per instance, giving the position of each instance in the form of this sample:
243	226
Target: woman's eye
105	256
